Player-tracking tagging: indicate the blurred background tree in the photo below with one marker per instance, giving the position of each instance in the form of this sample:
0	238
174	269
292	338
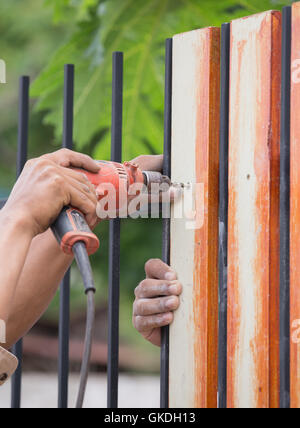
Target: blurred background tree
39	37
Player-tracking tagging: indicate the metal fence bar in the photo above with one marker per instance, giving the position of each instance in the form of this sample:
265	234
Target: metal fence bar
21	160
64	309
285	211
223	214
114	240
164	356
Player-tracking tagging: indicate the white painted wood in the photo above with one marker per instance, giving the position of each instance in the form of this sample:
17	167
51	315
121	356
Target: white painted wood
190	127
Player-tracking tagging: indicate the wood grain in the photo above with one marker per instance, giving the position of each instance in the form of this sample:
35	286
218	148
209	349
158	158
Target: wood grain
195	143
295	210
253	239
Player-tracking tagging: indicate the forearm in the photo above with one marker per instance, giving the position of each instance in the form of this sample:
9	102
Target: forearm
43	271
14	244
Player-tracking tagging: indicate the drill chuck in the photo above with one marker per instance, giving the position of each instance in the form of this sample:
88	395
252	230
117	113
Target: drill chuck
153	177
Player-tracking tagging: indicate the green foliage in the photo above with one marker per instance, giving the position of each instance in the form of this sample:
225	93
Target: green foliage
139	28
28	39
86	32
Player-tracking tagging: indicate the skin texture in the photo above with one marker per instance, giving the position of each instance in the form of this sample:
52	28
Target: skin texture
156	297
45	186
149	163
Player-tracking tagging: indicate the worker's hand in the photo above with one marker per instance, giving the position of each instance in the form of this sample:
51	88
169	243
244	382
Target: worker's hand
149	162
155	163
46	185
156	297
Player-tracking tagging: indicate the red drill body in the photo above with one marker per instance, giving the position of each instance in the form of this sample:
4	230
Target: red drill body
71	227
120	176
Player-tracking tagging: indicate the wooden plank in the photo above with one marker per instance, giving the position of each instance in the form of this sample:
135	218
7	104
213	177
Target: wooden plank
295	212
253	241
195	152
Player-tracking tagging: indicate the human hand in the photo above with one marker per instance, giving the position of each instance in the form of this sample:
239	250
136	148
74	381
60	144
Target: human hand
149	162
46	185
156	298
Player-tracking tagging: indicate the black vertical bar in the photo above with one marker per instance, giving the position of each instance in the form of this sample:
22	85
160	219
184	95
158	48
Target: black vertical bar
114	240
285	211
21	160
64	309
164	356
223	214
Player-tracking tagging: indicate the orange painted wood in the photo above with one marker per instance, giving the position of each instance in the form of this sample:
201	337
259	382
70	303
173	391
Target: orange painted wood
195	159
295	210
253	234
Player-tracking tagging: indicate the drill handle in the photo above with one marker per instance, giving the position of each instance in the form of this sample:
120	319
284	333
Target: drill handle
71	227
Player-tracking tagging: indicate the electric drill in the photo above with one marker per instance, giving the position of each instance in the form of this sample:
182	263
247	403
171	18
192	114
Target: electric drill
75	237
71	227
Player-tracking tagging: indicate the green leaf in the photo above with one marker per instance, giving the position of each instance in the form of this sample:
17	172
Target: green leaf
139	29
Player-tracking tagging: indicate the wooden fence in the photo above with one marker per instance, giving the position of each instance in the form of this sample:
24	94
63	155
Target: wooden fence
241	140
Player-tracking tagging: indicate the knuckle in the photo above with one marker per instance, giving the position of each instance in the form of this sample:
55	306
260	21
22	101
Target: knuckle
56	180
143	284
161	305
30	163
84	198
44	164
86	157
135	307
137	323
65	152
151	263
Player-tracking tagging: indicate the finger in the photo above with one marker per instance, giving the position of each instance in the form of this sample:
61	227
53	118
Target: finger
67	158
157	269
80	200
80	160
153	288
87	190
84	188
148	323
80	177
144	307
149	163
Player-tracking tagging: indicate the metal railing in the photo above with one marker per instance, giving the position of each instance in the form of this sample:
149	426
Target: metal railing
114	236
115	225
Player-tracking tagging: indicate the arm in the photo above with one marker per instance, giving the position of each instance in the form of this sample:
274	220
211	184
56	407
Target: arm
15	241
45	186
35	290
42	273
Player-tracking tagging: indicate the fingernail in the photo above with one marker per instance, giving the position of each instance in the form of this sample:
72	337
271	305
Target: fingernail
173	289
170	276
170	303
167	318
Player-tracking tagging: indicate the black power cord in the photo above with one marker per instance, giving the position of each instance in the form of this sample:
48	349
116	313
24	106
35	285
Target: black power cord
84	266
